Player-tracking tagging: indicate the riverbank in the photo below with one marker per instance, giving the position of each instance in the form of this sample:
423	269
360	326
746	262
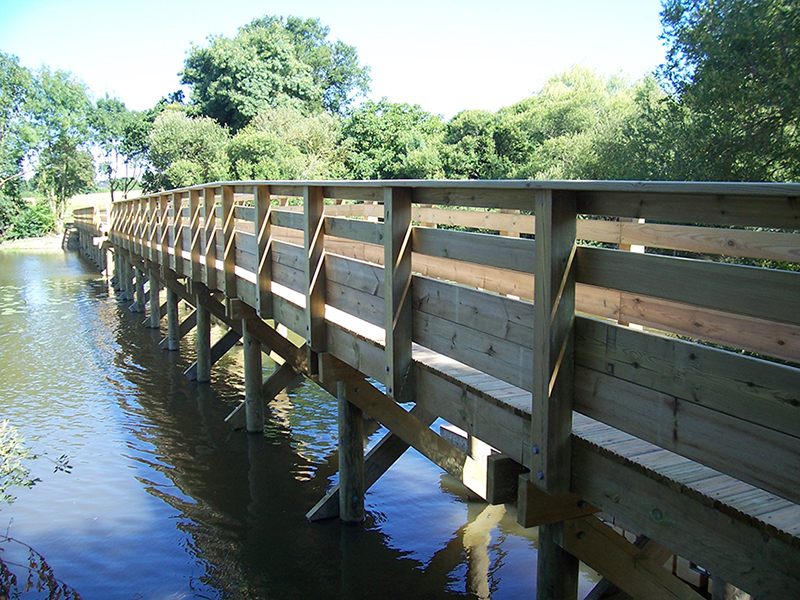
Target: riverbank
48	242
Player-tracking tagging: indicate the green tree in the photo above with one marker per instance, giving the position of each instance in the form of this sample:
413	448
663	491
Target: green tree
735	65
272	62
393	141
185	151
59	111
469	150
117	132
561	132
16	135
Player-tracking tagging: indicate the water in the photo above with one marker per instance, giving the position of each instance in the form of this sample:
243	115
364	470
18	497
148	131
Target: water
165	502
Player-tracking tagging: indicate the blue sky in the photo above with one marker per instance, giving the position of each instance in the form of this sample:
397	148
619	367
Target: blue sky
447	55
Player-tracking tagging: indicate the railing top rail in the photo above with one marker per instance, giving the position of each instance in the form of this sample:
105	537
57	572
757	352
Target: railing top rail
626	187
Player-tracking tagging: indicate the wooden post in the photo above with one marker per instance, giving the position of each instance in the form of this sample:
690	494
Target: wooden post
210	238
228	242
138	302
127	269
155	301
397	292
263	239
554	316
173	324
196	227
253	382
203	343
164	231
351	459
314	241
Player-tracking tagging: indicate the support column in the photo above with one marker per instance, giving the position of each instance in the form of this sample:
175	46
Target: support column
155	301
351	459
128	287
553	368
173	324
253	395
138	302
203	343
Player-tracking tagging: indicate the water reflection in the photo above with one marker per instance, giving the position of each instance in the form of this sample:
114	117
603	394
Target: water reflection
166	502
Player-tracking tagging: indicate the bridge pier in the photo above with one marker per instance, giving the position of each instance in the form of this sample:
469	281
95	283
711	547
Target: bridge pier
203	343
138	291
173	324
351	458
253	396
155	300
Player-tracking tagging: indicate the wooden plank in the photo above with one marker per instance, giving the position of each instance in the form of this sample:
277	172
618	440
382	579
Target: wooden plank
610	554
209	238
151	229
535	507
495	356
314	239
498	316
359	231
290	219
764	566
163	231
768	245
178	264
780	340
553	363
397	293
752	291
501	281
732	205
479	248
725	443
263	250
756	391
228	242
196	226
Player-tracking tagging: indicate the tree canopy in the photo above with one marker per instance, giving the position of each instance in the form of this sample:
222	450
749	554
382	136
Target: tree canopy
736	65
273	62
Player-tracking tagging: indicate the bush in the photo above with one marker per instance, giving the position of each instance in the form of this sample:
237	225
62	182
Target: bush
31	220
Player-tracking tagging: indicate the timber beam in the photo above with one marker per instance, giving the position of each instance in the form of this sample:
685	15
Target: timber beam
376	462
281	378
183	329
218	350
635	571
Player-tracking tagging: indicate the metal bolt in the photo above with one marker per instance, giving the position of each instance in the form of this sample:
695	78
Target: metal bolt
536	449
540	475
581	503
580	535
387	369
657	514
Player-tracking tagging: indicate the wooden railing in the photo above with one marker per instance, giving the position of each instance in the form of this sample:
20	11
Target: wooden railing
607	332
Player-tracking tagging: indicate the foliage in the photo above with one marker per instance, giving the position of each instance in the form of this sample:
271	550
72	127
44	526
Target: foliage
384	140
185	151
16	136
735	64
470	149
30	220
118	133
298	146
40	576
59	112
15	473
273	62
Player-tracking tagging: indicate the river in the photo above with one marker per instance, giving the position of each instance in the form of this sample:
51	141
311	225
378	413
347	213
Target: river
164	501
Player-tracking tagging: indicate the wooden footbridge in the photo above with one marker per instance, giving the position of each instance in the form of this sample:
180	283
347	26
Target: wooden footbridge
636	406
